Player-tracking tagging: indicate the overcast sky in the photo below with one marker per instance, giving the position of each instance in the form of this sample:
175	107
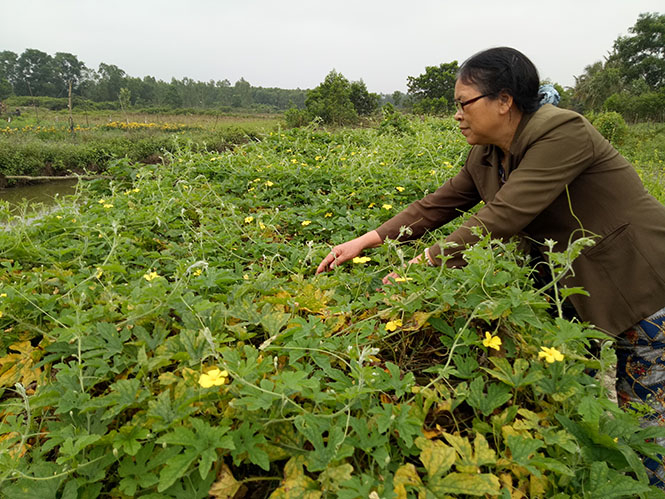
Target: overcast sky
295	43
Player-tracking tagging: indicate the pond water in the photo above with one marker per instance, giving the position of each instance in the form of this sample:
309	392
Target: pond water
44	193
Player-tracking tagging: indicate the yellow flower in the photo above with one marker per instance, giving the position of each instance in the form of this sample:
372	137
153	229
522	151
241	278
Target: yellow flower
328	215
197	272
245	277
372	205
551	355
342	158
108	205
393	325
262	225
492	341
403	279
0	313
432	172
387	206
305	223
3	295
399	188
102	201
294	161
382	163
361	259
214	377
269	183
249	220
149	276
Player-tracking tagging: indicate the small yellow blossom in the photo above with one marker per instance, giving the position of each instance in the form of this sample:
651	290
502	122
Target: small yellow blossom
99	273
3	295
58	217
393	325
245	277
197	272
403	279
432	172
550	354
248	220
294	161
372	205
102	201
149	276
269	183
328	215
0	313
382	163
256	180
108	205
342	158
492	341
387	206
262	225
214	377
399	188
136	189
361	259
305	223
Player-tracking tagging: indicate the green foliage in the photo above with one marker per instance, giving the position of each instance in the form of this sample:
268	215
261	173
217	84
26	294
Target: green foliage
117	305
632	79
331	101
641	55
434	90
295	117
612	126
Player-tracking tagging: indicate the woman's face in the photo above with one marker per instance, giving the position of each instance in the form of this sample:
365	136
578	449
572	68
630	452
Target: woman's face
480	121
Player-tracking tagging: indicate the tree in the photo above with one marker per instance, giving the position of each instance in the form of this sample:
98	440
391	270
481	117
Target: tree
364	103
642	54
111	80
331	100
67	68
433	91
35	74
8	62
599	81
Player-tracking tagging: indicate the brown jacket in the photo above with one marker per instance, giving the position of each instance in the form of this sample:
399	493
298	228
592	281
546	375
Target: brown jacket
554	149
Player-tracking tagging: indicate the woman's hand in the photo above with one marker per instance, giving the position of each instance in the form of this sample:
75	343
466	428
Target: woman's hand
348	250
393	276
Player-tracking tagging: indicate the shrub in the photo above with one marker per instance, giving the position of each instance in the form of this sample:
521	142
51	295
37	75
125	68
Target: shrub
612	126
296	117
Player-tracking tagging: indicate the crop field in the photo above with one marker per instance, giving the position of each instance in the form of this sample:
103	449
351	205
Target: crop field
164	335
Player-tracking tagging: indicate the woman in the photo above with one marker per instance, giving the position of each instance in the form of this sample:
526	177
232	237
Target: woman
546	173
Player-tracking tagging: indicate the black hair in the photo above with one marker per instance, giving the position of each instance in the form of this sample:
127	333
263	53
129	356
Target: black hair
503	69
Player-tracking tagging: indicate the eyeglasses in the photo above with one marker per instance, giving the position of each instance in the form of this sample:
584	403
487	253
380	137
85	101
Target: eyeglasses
459	105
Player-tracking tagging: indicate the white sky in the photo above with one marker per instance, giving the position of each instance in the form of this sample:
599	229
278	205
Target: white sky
295	43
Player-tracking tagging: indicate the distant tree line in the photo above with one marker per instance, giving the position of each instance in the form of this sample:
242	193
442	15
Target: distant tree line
36	73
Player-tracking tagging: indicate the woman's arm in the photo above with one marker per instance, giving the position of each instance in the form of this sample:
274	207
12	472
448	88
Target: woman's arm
348	250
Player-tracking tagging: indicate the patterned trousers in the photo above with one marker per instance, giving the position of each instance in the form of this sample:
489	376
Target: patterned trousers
641	378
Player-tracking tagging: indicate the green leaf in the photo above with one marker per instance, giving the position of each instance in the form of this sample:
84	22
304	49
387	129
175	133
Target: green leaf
175	468
486	403
247	440
128	438
604	483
